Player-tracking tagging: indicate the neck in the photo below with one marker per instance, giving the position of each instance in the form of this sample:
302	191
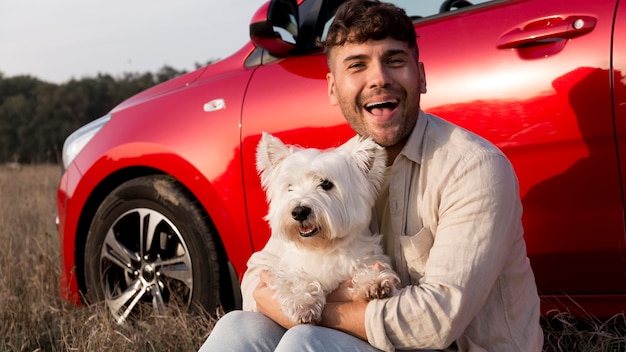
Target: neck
393	151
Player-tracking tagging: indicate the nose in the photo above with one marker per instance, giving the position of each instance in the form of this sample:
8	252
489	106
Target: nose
300	213
378	75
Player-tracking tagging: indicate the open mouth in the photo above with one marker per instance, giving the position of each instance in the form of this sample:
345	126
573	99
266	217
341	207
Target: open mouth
380	107
306	231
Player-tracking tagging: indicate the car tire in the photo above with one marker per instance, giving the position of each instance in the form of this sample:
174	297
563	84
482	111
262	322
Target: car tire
148	247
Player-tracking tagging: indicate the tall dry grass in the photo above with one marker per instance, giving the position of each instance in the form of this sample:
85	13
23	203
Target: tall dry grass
563	332
34	317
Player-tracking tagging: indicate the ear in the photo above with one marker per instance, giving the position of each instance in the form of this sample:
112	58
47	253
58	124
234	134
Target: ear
370	157
330	80
422	77
269	153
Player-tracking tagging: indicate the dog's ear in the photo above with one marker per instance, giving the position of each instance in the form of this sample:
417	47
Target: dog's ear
269	153
369	156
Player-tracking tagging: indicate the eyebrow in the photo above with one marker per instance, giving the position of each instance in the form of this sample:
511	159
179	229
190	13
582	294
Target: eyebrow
390	52
355	57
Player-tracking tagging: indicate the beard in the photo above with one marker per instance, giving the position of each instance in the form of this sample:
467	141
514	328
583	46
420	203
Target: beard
389	133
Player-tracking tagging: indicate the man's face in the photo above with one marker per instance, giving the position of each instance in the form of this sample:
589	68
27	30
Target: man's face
377	85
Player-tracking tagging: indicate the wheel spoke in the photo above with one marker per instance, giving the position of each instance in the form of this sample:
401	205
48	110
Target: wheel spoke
178	272
133	294
149	221
157	300
178	268
144	241
118	254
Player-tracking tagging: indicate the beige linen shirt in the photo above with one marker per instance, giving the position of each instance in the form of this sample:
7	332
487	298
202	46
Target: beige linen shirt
454	221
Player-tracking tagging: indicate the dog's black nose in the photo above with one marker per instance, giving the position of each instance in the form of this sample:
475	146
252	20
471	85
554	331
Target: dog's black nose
300	213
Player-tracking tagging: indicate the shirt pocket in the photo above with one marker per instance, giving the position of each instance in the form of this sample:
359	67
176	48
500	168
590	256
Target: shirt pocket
415	250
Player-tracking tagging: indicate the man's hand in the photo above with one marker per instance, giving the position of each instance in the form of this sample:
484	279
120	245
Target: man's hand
264	297
343	293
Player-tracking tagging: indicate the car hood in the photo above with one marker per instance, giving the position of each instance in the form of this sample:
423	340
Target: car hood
215	70
160	89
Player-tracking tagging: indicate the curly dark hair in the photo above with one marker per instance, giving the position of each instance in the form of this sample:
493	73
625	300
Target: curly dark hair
357	21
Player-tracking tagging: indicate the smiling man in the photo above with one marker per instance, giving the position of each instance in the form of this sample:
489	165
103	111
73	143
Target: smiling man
449	210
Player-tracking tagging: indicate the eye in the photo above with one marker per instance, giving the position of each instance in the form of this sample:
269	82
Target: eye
356	66
289	188
395	61
326	185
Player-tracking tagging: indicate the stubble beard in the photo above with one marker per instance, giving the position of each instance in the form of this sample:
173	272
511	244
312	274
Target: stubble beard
394	134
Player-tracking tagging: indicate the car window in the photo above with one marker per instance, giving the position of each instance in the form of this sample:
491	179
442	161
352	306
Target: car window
426	8
420	8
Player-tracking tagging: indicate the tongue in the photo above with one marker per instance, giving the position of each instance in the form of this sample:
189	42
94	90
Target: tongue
306	230
378	111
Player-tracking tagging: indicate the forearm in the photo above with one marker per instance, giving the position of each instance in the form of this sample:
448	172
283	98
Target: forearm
348	317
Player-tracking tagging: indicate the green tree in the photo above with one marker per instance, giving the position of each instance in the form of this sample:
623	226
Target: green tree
36	116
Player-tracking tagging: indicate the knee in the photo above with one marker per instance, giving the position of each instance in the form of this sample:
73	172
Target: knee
311	338
236	320
243	331
222	333
318	338
229	319
302	333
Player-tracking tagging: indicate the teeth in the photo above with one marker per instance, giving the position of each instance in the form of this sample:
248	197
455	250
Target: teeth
308	231
380	104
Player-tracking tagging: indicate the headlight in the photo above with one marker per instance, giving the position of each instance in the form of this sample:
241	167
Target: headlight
79	139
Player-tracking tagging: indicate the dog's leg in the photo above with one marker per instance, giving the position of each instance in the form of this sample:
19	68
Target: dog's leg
301	300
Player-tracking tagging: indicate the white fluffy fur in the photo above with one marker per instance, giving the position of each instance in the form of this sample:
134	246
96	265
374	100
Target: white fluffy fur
332	242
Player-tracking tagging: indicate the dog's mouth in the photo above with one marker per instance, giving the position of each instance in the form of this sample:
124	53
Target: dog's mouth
307	231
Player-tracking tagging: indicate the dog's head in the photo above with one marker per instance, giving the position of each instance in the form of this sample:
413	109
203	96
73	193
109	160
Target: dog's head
318	198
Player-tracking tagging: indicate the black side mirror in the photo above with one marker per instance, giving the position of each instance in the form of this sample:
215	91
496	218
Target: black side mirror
275	27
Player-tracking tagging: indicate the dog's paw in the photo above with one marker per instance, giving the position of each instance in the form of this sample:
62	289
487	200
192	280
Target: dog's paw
380	289
375	283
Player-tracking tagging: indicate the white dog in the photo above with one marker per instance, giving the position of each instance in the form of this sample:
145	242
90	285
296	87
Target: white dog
320	204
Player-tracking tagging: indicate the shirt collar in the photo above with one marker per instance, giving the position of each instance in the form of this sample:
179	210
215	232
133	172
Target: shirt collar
413	148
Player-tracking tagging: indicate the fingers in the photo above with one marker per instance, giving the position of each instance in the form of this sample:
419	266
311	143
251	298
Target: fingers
266	277
341	293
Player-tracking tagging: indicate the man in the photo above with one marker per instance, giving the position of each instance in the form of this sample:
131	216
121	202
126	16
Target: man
450	212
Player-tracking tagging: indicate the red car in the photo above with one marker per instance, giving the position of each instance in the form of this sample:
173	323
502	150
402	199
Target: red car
160	202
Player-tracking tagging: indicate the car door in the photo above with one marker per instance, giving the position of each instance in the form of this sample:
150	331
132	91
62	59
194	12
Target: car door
534	78
619	84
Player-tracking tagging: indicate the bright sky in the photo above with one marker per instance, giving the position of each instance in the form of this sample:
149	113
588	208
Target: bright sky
56	40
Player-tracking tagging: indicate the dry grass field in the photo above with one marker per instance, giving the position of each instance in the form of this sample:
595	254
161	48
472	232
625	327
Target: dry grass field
33	317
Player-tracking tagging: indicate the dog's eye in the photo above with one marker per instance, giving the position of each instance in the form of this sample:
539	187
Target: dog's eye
326	185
